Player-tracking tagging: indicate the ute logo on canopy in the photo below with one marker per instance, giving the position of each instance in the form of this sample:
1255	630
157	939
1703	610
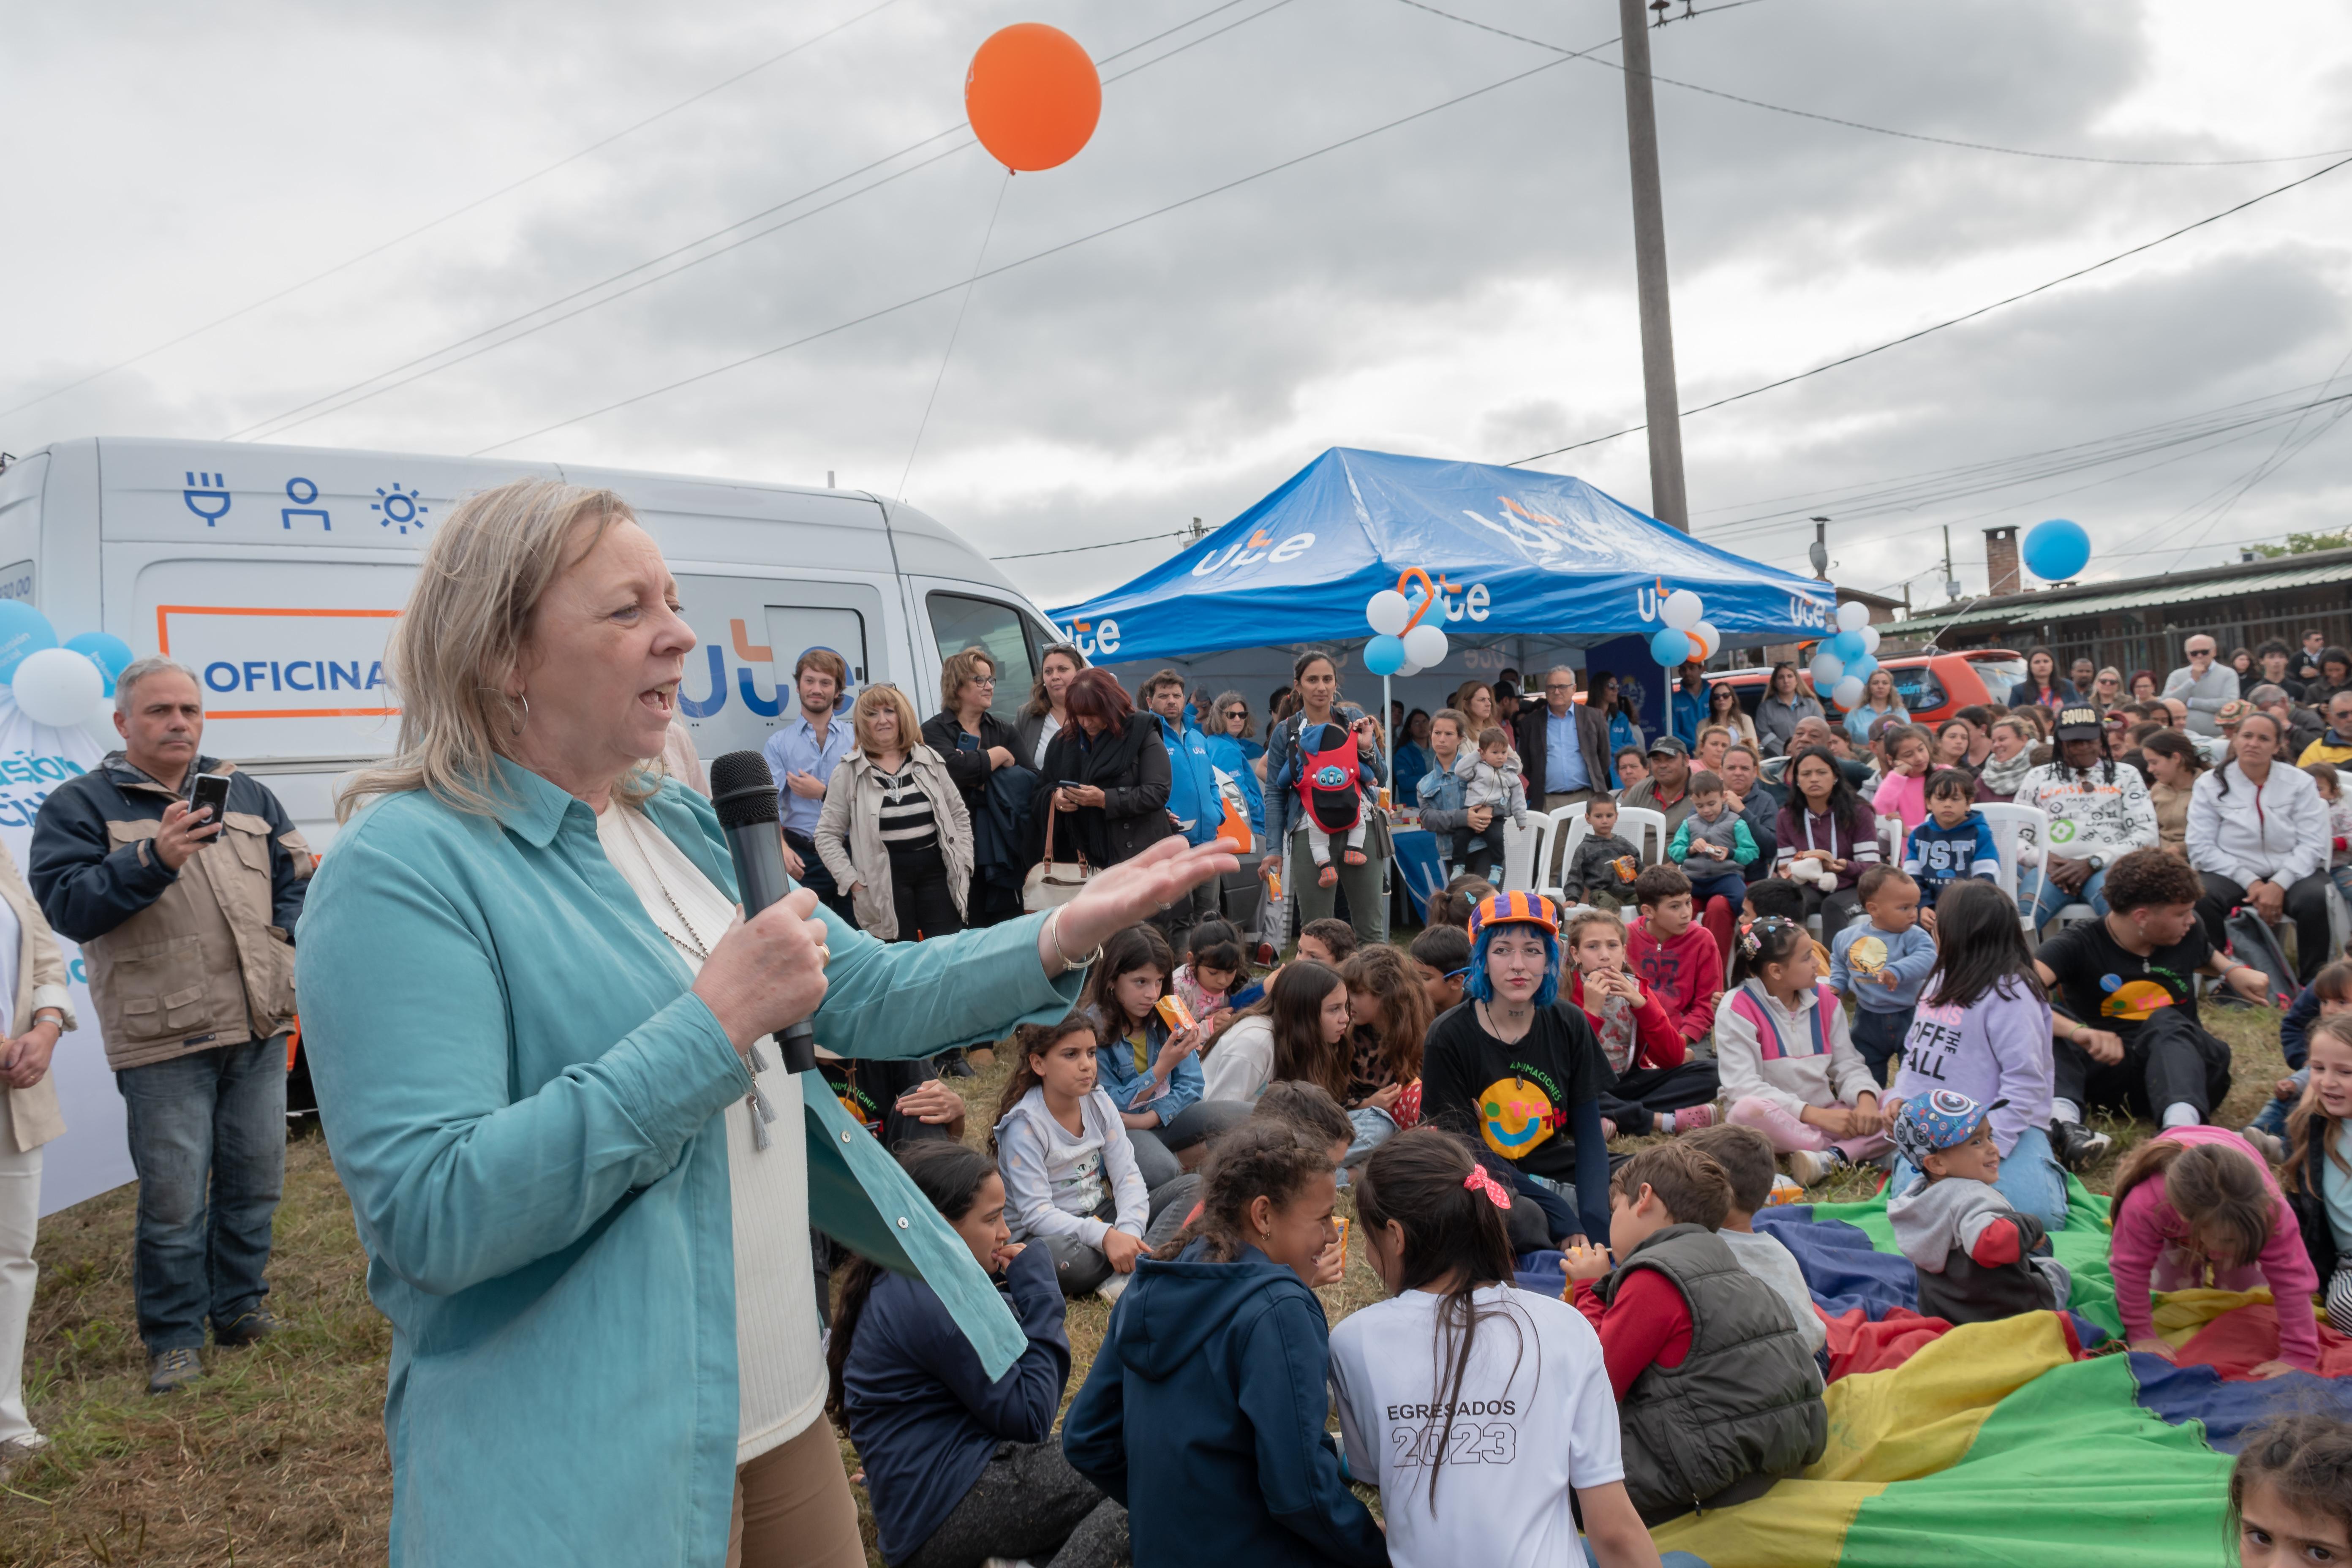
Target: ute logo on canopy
1249	551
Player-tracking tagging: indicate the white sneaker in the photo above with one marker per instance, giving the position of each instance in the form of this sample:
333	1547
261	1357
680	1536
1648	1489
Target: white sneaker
1112	1288
1811	1167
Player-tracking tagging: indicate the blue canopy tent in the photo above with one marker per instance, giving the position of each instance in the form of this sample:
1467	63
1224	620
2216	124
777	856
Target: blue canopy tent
1539	558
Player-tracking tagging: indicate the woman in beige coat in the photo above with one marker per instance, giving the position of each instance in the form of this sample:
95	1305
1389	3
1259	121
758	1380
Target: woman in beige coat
38	999
894	831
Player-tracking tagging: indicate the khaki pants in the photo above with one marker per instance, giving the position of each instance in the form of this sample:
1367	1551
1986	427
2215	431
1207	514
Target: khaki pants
792	1507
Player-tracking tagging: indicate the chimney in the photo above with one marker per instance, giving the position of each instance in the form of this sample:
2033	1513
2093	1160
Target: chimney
2001	560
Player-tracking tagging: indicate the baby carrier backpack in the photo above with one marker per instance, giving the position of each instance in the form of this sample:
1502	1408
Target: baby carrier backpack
1327	784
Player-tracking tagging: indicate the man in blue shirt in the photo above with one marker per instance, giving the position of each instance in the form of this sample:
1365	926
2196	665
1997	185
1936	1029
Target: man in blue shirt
1193	801
1563	745
1688	701
803	755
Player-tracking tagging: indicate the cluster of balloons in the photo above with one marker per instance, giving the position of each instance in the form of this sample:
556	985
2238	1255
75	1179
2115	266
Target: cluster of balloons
1687	634
2057	550
1843	664
1403	644
1033	96
58	684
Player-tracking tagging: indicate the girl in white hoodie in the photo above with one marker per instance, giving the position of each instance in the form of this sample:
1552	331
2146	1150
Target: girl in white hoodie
1787	1065
1070	1176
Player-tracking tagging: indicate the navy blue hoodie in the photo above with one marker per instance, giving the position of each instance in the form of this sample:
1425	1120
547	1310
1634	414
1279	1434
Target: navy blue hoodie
924	1416
1211	1388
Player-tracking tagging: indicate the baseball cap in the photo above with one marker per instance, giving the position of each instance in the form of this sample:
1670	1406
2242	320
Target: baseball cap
1668	746
1939	1120
1515	909
2078	723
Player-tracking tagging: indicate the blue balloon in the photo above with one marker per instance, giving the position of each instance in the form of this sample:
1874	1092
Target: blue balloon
1860	666
109	652
22	630
2057	550
1385	654
1671	647
1848	646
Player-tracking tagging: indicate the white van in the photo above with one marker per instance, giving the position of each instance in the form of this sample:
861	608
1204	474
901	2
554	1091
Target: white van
276	573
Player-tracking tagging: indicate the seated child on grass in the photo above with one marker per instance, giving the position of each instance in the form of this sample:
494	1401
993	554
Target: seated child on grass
1746	1156
1710	1416
1880	962
2196	1205
1787	1067
2291	1492
1659	1088
2328	994
1207	981
1441	956
1327	942
1458	1345
1070	1177
1774	895
1675	953
1307	1110
1973	1251
1601	871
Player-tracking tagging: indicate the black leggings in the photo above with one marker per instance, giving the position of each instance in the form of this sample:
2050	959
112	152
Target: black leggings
920	891
1028	1503
2306	905
1837	909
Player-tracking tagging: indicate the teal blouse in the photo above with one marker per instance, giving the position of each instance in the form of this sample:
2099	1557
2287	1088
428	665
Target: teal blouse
523	1101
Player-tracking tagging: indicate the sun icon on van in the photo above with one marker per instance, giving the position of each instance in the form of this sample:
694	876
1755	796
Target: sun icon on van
398	508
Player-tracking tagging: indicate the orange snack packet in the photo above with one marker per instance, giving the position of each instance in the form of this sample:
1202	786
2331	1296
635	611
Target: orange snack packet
1173	1011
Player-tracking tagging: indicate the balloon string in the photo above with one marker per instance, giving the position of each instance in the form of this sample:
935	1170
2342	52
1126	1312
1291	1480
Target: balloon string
953	332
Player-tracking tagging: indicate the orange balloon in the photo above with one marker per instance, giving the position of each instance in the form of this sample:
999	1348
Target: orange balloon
1033	96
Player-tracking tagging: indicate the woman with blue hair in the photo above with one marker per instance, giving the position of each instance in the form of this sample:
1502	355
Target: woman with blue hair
1521	1077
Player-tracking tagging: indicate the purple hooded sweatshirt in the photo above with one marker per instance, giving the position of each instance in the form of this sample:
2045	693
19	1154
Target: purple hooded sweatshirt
1997	1049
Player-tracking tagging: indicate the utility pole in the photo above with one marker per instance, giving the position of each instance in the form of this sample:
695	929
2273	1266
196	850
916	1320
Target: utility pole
1668	501
1951	583
1819	553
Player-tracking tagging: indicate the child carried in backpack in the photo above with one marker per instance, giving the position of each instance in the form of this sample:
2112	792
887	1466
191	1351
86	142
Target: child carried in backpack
1973	1250
1326	770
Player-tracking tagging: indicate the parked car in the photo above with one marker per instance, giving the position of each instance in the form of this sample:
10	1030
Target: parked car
1933	686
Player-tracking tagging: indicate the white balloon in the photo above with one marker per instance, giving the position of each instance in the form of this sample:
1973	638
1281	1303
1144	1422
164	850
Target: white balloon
1828	670
57	686
1848	692
1388	612
1852	615
1682	609
1408	669
1425	646
1706	634
100	722
1870	640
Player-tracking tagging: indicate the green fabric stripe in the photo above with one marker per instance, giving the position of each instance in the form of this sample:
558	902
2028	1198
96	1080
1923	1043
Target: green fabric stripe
2069	1469
2081	1247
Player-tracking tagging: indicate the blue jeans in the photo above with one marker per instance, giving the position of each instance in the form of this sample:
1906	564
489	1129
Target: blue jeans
2031	1179
2273	1116
208	1139
2049	898
1728	885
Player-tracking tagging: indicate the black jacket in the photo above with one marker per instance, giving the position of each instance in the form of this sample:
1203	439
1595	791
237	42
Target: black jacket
1528	735
2025	694
969	770
2311	1208
1130	769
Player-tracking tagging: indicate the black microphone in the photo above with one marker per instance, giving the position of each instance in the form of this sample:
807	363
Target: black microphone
743	793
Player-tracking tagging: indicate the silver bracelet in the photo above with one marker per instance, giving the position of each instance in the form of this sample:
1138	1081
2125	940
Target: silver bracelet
1054	931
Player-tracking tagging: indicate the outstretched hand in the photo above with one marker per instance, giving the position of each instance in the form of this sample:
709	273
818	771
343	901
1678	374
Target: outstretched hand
1119	896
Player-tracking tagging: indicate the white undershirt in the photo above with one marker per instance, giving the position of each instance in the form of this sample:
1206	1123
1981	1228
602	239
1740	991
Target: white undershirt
11	942
780	1372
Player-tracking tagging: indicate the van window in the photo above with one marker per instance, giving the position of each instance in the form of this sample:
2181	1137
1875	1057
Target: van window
958	622
1918	686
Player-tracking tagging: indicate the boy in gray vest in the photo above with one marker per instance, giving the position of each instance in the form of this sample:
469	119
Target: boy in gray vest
1685	1330
1713	845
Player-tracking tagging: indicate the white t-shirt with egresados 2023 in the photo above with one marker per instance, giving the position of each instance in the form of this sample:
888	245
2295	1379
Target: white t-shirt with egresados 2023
1534	1417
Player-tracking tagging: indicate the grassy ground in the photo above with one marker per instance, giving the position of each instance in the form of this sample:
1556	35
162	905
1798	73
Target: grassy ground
278	1458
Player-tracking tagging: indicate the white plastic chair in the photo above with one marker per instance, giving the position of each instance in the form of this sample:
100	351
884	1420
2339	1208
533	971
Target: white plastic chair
1564	830
1890	839
1637	824
1519	855
2339	920
2015	827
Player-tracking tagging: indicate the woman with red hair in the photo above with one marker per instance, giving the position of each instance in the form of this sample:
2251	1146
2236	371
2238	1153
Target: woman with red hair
1106	779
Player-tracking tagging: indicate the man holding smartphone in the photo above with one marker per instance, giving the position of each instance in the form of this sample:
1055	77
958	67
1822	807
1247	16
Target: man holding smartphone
185	913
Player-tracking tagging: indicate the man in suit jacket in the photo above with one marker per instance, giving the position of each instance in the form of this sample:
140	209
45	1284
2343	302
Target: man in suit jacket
1563	745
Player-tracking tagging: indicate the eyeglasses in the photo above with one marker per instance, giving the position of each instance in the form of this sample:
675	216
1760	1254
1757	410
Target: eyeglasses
1570	688
2201	653
1236	712
983	681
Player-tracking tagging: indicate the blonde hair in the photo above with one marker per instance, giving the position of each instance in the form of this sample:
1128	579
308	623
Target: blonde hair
959	670
463	635
861	718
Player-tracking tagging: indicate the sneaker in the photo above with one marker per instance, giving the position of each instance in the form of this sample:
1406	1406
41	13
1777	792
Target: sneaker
248	1328
2273	1147
1112	1288
2077	1147
168	1370
1812	1167
1691	1118
956	1066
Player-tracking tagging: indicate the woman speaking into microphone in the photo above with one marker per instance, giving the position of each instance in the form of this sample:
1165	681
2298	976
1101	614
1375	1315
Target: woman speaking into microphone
536	1027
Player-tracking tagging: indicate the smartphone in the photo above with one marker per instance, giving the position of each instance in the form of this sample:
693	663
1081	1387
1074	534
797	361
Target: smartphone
210	795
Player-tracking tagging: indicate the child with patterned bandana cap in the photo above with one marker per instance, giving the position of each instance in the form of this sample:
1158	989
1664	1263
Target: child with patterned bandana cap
1973	1251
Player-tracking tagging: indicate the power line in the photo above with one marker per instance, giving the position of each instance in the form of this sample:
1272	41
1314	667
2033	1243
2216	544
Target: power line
1956	320
1884	130
1035	255
454	213
366	389
1109	545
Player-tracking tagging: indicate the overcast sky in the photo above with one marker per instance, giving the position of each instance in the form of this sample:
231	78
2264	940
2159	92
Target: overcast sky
1459	286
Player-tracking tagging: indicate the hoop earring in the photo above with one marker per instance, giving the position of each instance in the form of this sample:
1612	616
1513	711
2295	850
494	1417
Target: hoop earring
523	698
